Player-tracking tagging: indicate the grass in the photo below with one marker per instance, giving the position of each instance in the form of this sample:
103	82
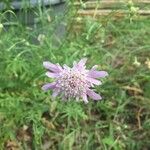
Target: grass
29	119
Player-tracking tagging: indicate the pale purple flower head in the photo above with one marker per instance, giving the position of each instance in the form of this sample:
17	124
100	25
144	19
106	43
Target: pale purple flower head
76	82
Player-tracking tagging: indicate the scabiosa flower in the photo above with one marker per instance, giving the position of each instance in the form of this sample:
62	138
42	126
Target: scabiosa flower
76	82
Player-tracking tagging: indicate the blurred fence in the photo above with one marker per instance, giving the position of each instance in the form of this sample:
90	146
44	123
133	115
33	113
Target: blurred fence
114	8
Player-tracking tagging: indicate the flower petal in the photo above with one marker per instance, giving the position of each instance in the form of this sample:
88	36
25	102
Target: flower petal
55	93
59	67
52	75
48	86
66	67
52	67
94	67
80	65
94	81
84	96
82	62
97	74
93	95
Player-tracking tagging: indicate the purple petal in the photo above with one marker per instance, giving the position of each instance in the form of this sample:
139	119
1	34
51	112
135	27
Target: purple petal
94	81
93	95
66	67
55	92
84	96
82	62
97	74
48	86
52	75
59	67
80	65
52	67
94	67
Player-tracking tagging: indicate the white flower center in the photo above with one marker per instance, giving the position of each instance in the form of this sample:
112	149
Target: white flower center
72	83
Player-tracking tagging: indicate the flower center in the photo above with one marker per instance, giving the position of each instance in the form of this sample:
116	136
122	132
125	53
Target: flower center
72	83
